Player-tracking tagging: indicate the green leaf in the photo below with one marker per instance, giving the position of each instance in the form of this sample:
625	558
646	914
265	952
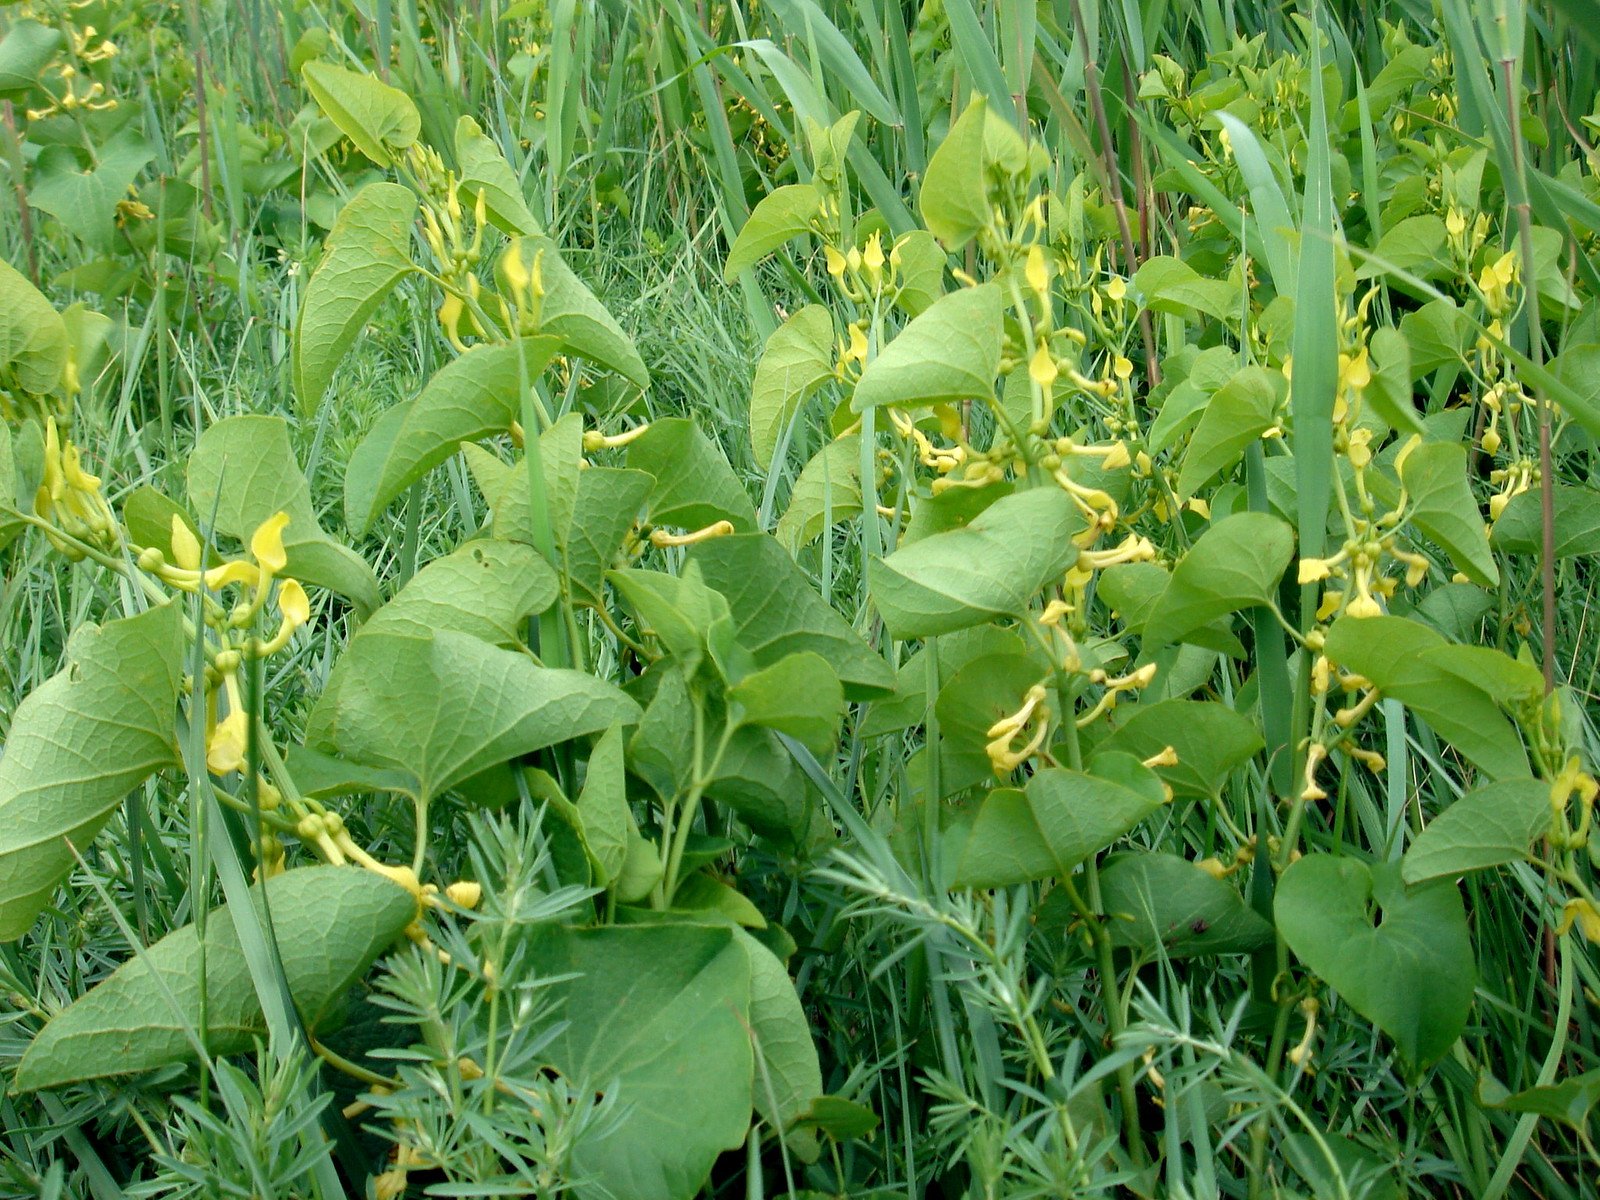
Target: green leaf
1437	334
1210	739
980	148
1520	529
85	202
1390	390
25	52
992	568
1237	414
1570	1101
1442	506
1235	564
798	695
485	172
689	619
777	612
1409	971
784	213
376	117
656	1017
1488	827
973	696
243	471
331	924
1161	904
840	1119
444	707
569	310
366	255
1419	246
1510	683
1170	285
788	1077
921	271
603	808
474	396
828	491
608	503
950	352
798	360
760	780
1392	652
1059	819
695	486
78	744
33	338
486	588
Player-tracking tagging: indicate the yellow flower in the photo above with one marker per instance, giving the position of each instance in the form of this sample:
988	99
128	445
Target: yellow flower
185	546
266	543
1037	273
872	259
1495	281
1042	367
1585	915
835	260
1117	288
227	738
237	571
1314	570
293	603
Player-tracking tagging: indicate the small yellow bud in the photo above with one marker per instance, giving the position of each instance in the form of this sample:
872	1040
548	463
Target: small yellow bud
1037	272
185	546
1042	367
466	893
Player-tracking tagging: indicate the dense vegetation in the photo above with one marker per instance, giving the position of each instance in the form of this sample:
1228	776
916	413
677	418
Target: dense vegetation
647	599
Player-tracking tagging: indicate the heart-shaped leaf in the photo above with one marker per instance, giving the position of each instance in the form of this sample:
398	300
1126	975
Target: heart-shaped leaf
1235	564
784	213
798	360
331	924
486	588
950	352
1488	827
1164	905
1399	956
376	117
1442	506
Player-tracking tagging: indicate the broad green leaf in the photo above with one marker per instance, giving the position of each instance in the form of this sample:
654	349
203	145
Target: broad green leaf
921	271
78	744
474	396
788	1077
485	172
908	705
25	52
1419	246
1132	590
376	117
1488	827
798	695
321	775
1235	564
608	503
760	781
1442	506
798	360
1570	1101
777	612
1240	412
783	214
1170	285
1399	956
840	1119
1437	334
828	491
1187	400
980	149
603	807
331	924
1578	368
1210	740
85	201
486	588
444	707
243	470
33	339
661	751
1392	652
688	618
1510	683
950	352
695	486
366	255
992	568
1520	529
641	869
655	1016
1164	905
1389	393
1059	819
569	310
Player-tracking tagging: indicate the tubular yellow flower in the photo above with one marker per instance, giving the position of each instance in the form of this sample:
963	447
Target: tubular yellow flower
1584	915
1117	289
266	544
1042	367
185	546
835	260
226	740
872	260
1037	272
660	538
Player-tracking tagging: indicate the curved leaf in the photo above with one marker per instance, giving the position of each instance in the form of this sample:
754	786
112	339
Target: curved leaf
33	338
798	360
990	568
485	172
1488	827
78	744
828	491
950	352
486	588
368	252
1443	507
444	707
476	395
695	486
242	471
331	924
783	213
376	117
1164	905
1235	564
